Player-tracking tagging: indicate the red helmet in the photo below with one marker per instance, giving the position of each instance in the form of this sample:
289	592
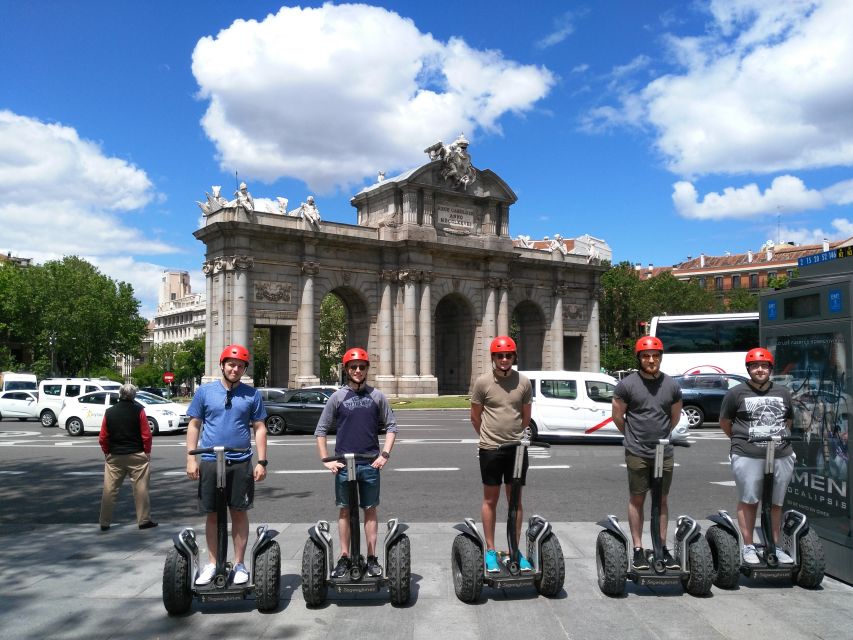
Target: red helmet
502	344
648	343
356	353
759	354
236	351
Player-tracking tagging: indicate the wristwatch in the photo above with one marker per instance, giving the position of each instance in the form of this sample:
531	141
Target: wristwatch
263	463
385	455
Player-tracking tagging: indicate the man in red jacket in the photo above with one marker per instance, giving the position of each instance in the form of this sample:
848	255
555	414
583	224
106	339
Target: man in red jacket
126	442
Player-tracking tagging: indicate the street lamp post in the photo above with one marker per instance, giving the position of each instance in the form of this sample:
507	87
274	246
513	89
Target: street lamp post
51	340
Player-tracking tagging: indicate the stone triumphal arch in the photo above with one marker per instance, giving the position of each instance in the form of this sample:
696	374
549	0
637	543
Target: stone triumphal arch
428	276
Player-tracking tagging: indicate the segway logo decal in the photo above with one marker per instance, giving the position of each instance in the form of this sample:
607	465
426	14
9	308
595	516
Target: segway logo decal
598	426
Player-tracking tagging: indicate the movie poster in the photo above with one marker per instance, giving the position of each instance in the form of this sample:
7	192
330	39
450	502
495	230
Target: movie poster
815	368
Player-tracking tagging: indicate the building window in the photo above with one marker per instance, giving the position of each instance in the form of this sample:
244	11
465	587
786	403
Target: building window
790	273
770	275
718	283
735	282
702	283
753	281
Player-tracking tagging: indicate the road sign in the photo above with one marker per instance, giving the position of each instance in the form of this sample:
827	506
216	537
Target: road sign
168	377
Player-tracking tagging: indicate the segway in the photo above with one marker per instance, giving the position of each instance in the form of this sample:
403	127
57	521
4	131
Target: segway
182	562
318	556
614	556
468	556
798	539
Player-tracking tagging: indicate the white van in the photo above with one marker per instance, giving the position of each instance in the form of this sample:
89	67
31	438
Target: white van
54	391
11	381
577	404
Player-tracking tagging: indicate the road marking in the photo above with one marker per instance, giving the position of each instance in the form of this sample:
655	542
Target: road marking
12	473
625	466
427	469
17	434
303	471
725	483
84	473
174	473
63	444
549	466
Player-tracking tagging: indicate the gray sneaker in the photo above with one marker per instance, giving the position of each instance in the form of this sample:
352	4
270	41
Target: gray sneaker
749	554
782	557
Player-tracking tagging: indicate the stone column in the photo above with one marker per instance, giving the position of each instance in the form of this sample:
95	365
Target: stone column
410	319
429	208
503	307
387	278
593	346
240	325
207	270
560	290
425	326
305	327
489	316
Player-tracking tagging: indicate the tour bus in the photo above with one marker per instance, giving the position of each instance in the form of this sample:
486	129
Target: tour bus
11	381
706	343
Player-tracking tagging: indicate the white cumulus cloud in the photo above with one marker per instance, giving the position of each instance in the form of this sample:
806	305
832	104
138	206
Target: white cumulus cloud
786	193
329	95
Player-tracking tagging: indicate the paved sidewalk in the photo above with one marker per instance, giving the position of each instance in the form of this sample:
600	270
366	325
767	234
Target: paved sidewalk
74	582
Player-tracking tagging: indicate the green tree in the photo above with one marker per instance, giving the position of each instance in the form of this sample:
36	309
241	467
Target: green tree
147	375
261	357
163	356
741	300
189	362
333	334
68	309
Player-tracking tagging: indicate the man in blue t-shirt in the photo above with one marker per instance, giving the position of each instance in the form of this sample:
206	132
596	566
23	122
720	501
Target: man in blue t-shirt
359	411
228	411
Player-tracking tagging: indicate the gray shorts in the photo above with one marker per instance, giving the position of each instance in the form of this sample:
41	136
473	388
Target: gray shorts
749	478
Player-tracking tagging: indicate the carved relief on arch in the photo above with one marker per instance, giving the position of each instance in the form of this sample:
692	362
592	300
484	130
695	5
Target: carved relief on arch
574	311
310	268
389	275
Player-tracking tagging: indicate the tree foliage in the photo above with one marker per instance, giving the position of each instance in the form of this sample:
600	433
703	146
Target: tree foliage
741	300
71	317
261	357
333	335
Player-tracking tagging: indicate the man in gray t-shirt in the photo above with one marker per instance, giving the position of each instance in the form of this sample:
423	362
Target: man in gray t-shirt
646	406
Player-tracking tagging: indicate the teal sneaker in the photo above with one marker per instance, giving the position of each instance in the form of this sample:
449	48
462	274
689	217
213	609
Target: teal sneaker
492	565
524	563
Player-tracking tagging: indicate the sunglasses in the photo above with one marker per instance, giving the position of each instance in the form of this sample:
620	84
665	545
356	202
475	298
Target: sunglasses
357	367
228	395
760	365
504	356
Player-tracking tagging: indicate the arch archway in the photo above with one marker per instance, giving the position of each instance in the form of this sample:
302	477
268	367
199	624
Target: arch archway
454	343
530	320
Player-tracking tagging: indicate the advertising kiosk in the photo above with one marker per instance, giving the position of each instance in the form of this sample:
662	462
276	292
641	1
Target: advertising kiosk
809	329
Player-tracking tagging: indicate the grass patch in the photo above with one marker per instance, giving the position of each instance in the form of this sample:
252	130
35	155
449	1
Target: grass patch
441	402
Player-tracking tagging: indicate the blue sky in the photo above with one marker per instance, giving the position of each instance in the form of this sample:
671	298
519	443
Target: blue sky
667	128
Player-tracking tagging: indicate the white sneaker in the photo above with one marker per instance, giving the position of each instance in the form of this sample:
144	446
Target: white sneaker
241	574
749	555
206	574
782	557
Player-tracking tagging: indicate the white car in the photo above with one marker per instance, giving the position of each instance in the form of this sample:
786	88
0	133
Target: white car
86	412
577	404
22	405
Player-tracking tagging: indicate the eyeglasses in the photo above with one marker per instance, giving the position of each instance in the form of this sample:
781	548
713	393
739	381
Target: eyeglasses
228	395
357	367
650	356
504	356
760	365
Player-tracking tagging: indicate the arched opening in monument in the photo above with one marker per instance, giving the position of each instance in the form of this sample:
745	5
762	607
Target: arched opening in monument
344	323
530	339
454	344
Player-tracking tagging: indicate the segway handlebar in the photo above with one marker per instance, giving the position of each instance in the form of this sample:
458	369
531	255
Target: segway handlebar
195	452
524	443
776	438
679	442
358	456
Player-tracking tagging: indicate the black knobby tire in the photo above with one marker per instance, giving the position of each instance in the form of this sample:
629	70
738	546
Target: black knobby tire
812	561
276	425
267	570
177	595
466	559
725	554
701	562
550	581
611	560
314	586
398	569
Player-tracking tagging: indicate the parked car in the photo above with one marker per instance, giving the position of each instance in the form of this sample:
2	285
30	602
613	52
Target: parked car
577	404
22	405
55	392
163	392
86	412
702	394
328	389
298	410
271	394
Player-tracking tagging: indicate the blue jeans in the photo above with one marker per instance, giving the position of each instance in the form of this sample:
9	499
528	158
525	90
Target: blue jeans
368	486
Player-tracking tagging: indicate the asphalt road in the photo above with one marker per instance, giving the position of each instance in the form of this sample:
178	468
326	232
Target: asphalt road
48	477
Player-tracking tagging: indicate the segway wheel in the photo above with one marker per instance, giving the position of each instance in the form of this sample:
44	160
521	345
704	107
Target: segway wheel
812	562
611	561
466	560
267	570
314	585
550	581
177	594
725	555
701	563
398	569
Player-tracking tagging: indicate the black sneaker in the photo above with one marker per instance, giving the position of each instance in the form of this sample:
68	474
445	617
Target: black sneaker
640	561
668	561
342	568
374	569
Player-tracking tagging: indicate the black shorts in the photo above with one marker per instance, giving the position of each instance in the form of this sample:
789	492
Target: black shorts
496	466
239	486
